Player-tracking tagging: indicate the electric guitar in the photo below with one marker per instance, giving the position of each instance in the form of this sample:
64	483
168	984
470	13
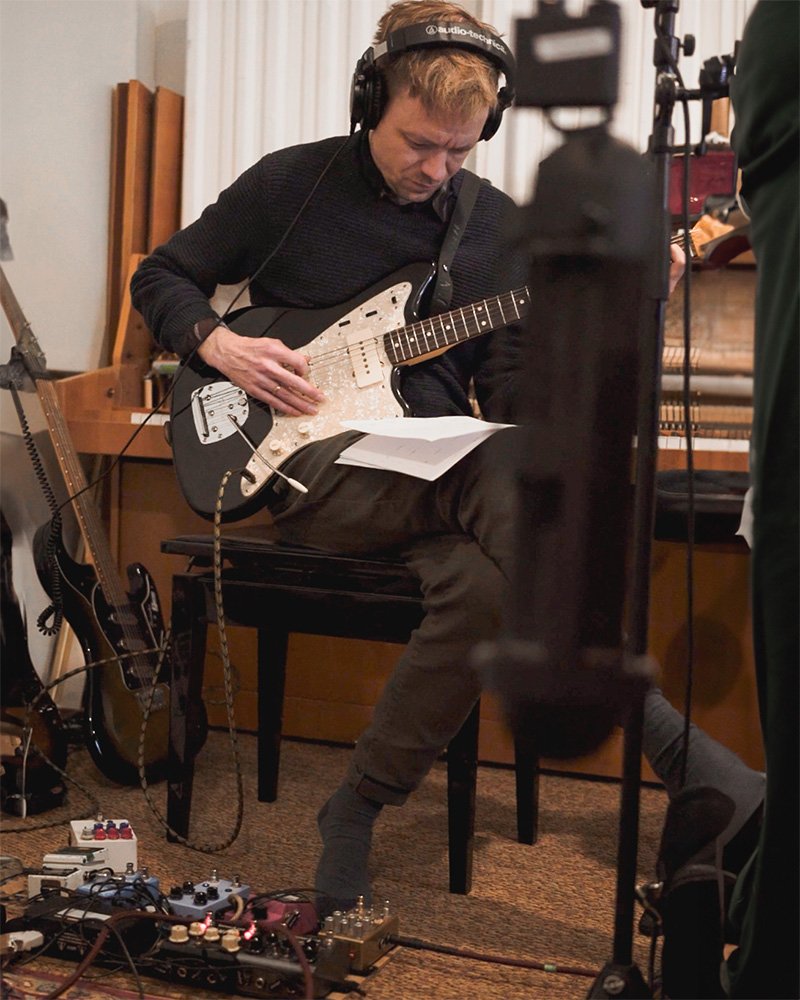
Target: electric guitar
31	727
109	623
356	351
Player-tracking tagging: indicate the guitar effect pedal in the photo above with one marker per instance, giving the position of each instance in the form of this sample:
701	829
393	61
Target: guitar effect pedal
115	835
133	888
196	899
67	868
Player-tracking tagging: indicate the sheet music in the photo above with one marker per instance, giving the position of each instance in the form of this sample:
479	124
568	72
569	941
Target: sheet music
424	447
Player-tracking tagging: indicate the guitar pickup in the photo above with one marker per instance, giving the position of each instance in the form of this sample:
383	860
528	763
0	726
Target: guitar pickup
366	361
369	322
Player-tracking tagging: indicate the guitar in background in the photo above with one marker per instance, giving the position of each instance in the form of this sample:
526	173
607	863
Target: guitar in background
124	628
32	740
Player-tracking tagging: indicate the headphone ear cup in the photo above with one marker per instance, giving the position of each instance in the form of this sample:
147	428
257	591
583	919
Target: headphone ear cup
374	99
505	97
492	123
360	90
367	94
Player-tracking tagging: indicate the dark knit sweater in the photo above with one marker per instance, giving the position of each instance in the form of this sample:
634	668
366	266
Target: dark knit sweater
349	237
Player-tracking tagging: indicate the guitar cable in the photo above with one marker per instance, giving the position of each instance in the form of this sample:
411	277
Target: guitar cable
688	431
205	848
686	404
217	557
55	610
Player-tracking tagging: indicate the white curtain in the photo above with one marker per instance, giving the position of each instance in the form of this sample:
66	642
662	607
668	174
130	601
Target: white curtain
263	74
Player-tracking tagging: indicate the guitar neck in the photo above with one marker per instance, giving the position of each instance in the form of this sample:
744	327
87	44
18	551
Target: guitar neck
77	488
71	469
434	335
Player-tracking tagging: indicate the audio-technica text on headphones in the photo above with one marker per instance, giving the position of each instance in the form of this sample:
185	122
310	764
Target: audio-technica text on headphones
368	94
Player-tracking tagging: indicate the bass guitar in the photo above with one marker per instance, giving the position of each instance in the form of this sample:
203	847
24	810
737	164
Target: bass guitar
356	351
123	628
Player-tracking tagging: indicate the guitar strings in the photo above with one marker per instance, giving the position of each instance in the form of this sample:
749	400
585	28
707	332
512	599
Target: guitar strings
87	517
341	355
424	328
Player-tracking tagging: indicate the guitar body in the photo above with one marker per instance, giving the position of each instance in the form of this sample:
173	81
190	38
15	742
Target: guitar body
116	694
28	783
348	361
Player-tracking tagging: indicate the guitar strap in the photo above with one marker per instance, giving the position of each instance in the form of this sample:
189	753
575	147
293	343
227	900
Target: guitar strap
443	290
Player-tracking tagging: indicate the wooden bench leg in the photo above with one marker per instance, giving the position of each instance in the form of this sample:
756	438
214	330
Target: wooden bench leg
273	644
526	770
185	697
462	778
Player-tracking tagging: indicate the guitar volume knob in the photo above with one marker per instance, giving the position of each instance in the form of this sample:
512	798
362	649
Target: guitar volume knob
304	428
275	447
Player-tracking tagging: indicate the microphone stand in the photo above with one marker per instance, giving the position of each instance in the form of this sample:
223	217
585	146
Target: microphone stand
621	971
620	977
562	670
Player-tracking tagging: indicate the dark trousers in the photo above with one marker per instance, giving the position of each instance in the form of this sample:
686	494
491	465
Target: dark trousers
457	535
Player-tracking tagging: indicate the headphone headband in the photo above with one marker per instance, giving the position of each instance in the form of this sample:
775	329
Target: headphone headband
446	34
368	92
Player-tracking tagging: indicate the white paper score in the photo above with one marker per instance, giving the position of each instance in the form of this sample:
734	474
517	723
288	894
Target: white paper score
424	447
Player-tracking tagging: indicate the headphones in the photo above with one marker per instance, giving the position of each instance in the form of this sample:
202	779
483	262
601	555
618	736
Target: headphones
368	93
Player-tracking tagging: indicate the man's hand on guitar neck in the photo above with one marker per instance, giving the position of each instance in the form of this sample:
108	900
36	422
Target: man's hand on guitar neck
265	368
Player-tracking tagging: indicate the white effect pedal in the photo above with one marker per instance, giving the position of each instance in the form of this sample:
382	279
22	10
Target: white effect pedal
115	835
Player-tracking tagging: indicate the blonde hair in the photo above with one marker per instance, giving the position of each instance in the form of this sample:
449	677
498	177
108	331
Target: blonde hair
449	81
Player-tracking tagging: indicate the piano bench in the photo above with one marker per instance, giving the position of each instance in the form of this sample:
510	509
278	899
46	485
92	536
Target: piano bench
279	589
718	502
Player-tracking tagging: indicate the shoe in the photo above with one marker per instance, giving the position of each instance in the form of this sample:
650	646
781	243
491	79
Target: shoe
694	890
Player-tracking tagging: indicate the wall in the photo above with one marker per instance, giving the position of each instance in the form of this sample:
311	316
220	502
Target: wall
261	76
59	63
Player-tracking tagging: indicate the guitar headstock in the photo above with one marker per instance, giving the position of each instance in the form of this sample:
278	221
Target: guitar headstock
27	344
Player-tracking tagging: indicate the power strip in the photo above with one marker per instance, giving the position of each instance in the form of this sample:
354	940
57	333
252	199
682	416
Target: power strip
19	941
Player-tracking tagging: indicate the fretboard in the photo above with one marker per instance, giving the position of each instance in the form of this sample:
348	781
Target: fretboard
440	332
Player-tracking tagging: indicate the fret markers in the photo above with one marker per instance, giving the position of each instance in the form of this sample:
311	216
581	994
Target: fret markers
447	329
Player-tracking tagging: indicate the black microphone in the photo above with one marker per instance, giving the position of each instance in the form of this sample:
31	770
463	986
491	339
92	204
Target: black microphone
560	669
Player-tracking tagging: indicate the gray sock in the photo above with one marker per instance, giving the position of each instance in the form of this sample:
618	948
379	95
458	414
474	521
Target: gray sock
708	763
345	824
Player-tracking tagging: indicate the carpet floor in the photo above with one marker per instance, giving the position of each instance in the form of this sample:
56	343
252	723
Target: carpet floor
547	904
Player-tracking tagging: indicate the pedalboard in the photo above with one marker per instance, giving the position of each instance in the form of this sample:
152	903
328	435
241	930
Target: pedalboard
214	934
260	961
236	956
71	925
